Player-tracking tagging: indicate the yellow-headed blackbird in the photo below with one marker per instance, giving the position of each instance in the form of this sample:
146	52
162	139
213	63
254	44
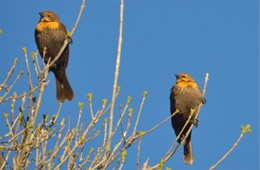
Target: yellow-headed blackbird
50	34
185	96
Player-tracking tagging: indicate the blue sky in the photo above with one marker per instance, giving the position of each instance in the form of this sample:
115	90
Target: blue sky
160	38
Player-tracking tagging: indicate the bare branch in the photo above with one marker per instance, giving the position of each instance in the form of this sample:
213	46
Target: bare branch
245	130
120	39
9	74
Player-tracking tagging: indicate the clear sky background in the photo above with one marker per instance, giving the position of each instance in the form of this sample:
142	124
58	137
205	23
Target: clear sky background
160	38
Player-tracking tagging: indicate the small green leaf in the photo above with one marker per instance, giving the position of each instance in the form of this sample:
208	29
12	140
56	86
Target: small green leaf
15	61
45	117
49	152
91	151
21	109
24	50
2	148
104	102
20	115
68	34
145	93
5	115
118	89
21	73
54	116
43	163
12	106
123	155
29	125
141	133
131	110
15	95
246	129
162	161
90	96
81	104
82	139
33	55
177	111
69	135
53	130
129	98
192	111
38	129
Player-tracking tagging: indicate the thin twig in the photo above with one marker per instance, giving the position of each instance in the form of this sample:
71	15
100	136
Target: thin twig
28	69
34	116
138	153
10	88
121	117
9	74
120	39
162	122
229	151
139	112
30	81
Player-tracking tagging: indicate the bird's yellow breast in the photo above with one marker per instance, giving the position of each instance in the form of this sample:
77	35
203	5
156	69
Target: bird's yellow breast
184	84
50	25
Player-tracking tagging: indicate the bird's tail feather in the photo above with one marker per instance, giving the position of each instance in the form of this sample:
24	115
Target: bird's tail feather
63	88
188	156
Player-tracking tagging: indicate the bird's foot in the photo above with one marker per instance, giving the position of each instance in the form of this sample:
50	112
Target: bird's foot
195	122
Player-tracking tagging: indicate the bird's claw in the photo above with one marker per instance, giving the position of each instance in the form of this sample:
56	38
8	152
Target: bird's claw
195	122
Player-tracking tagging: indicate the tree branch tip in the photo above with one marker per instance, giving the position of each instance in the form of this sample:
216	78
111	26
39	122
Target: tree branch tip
24	50
246	129
81	105
141	133
45	117
91	151
118	88
145	93
15	61
6	115
21	73
90	96
15	95
129	98
131	110
123	155
104	102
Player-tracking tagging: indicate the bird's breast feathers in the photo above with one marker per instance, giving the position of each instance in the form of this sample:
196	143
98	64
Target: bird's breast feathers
183	84
49	25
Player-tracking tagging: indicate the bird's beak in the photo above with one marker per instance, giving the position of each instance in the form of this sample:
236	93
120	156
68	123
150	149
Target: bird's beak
42	14
177	76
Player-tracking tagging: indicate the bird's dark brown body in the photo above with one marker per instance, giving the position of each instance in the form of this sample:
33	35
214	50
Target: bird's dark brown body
185	95
50	35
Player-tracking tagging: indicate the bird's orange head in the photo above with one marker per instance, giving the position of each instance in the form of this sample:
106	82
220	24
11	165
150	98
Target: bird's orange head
185	80
48	20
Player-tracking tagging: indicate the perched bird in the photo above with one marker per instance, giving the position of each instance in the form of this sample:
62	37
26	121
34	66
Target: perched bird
185	96
50	34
